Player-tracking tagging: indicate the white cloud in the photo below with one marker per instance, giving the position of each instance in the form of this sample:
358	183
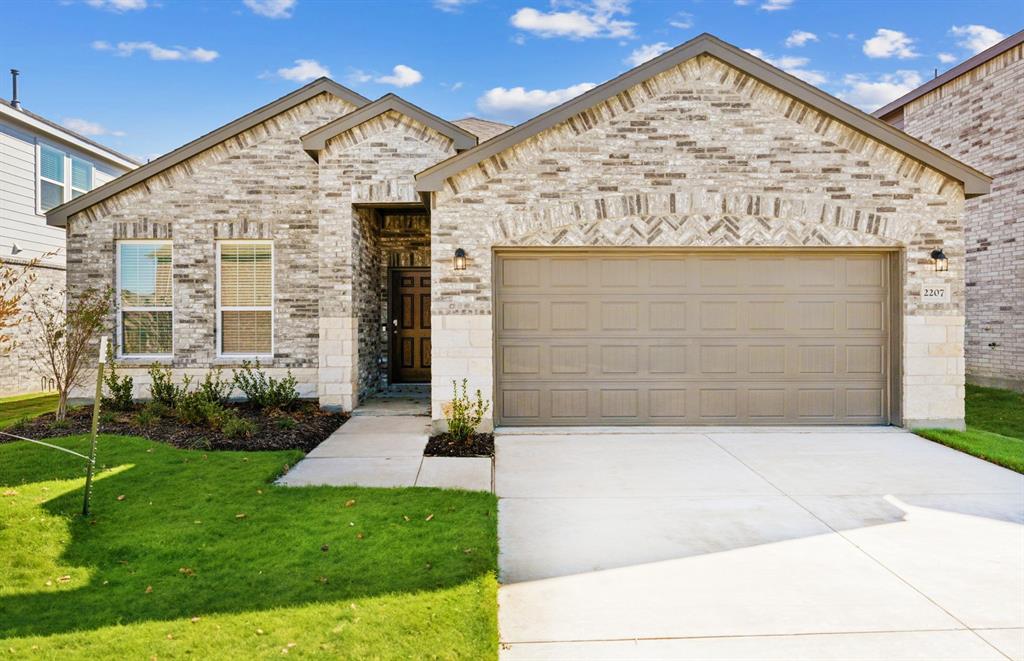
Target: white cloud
798	38
357	76
455	87
401	76
452	6
646	52
304	71
776	5
85	127
117	5
870	95
742	3
519	103
682	20
946	58
584	20
271	8
794	66
889	43
976	38
175	53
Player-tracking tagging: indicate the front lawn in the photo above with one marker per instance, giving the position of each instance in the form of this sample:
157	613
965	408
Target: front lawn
995	428
24	407
197	554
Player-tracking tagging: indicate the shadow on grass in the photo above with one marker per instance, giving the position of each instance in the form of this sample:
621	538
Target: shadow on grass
202	533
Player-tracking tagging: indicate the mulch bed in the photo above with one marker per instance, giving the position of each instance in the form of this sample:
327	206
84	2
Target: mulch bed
311	426
442	445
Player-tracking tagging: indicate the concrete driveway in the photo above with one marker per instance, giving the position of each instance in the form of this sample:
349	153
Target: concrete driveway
756	544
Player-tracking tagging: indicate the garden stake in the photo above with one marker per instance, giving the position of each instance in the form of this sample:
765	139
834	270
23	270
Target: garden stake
91	466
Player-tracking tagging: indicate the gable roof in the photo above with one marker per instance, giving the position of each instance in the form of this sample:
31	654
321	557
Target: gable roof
53	129
58	216
484	129
957	71
975	182
317	139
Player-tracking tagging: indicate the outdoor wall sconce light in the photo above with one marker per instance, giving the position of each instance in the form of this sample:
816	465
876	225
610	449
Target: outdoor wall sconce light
459	262
939	260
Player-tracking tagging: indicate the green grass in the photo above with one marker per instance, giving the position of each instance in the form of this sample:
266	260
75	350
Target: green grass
197	554
1003	450
13	409
995	410
995	428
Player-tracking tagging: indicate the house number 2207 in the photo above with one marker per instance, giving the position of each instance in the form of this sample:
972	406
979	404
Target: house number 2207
935	294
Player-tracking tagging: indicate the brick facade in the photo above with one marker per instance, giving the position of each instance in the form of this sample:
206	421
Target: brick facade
698	155
977	117
702	155
23	371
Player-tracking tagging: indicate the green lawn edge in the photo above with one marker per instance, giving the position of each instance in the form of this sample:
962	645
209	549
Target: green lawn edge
1004	451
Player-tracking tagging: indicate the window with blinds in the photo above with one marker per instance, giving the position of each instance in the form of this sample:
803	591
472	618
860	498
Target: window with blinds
81	177
245	298
144	298
62	177
51	177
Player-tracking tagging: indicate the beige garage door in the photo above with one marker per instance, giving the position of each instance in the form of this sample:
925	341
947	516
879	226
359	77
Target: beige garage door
691	338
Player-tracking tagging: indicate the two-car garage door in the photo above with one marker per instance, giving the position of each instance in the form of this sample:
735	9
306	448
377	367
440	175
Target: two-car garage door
600	338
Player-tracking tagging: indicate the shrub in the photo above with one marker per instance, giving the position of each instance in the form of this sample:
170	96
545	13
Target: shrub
146	417
162	387
234	427
215	388
195	409
284	423
106	417
157	410
264	391
120	388
464	414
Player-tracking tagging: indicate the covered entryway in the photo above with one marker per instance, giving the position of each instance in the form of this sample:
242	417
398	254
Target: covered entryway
609	337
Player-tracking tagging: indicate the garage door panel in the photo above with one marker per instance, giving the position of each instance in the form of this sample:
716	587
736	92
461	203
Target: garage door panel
755	338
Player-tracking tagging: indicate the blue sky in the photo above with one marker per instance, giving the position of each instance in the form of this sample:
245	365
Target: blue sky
146	76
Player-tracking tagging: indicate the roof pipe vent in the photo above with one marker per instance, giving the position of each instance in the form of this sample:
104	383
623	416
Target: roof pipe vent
14	90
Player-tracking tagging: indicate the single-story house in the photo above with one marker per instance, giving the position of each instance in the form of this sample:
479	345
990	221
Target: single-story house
704	239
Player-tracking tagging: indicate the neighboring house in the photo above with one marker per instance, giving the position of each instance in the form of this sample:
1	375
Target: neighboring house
42	165
975	112
703	240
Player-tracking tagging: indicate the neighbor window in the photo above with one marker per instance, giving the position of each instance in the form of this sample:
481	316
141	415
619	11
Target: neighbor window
145	306
245	298
62	177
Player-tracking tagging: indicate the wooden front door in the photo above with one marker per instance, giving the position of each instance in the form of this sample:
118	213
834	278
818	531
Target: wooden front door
410	325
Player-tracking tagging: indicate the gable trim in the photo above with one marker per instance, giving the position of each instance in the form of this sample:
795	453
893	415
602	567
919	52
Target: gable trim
316	140
974	182
58	216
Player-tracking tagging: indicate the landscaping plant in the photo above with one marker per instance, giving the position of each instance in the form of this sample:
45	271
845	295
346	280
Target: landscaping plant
67	329
120	388
162	388
215	388
463	413
264	391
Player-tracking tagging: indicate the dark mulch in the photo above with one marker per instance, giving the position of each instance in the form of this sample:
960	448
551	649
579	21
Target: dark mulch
443	445
310	426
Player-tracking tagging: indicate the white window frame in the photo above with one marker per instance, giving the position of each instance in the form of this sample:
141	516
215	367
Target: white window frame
133	308
243	308
66	184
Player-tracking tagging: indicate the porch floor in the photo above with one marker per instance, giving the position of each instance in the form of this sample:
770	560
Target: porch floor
397	400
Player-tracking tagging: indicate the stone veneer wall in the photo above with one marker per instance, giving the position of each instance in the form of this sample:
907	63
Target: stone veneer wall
259	184
703	155
978	118
22	371
373	163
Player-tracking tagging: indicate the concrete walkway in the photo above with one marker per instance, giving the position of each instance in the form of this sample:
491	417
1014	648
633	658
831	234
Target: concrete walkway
756	544
386	451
